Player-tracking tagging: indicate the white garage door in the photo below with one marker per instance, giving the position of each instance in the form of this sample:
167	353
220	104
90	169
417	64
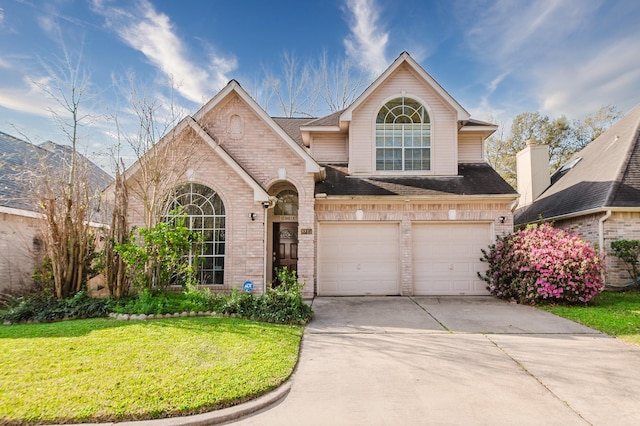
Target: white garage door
358	259
446	258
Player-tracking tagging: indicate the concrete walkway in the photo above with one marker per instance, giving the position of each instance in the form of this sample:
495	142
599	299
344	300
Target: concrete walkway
454	361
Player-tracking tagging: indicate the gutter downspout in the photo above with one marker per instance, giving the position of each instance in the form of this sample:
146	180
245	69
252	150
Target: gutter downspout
267	250
601	222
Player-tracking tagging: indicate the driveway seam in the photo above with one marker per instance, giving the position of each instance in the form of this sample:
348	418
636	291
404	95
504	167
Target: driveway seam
536	378
429	313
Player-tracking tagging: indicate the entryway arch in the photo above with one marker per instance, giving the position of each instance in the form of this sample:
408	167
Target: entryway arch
283	229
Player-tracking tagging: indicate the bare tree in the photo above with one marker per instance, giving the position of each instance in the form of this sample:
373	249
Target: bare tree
302	89
294	91
337	83
64	192
163	153
160	158
118	233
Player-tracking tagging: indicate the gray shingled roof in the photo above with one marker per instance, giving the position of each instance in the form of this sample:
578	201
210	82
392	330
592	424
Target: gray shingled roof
473	179
291	126
20	159
332	119
608	175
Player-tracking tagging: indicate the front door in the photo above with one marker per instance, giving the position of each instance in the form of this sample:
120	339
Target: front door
285	246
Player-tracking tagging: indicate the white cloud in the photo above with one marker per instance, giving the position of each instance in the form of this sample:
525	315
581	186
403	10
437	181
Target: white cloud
581	86
153	34
29	98
367	42
47	23
568	59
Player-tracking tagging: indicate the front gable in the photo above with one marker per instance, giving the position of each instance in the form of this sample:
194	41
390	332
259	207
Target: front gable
405	83
406	60
235	120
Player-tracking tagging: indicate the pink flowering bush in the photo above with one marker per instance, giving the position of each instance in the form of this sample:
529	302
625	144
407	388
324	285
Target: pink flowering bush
541	264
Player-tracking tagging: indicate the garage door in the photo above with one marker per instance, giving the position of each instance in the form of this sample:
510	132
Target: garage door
358	259
446	258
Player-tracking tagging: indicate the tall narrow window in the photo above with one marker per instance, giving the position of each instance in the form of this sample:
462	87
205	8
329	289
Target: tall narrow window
205	215
403	136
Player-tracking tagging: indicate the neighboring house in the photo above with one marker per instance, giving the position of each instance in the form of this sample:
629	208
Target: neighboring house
21	241
391	196
596	194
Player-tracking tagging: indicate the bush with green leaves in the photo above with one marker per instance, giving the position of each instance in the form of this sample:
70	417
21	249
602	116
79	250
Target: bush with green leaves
45	308
542	264
159	256
282	304
628	251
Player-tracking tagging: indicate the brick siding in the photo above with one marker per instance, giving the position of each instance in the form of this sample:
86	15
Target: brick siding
620	226
21	248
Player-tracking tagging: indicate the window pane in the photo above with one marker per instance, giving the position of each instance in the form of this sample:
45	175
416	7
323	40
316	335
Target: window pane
205	215
389	159
403	136
417	159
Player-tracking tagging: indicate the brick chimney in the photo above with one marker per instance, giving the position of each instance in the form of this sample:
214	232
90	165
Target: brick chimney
532	172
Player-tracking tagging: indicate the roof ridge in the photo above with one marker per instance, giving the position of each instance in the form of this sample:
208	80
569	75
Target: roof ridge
624	165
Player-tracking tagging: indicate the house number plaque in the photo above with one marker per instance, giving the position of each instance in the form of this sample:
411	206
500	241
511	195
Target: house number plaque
306	231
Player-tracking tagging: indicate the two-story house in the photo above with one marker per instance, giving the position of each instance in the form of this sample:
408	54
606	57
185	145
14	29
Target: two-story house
391	196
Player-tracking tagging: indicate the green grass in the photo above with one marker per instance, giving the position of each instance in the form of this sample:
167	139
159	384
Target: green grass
105	370
617	314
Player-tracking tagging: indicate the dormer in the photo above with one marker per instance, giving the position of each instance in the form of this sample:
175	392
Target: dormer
403	124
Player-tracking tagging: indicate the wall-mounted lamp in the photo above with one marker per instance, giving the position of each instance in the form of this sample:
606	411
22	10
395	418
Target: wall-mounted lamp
502	219
252	216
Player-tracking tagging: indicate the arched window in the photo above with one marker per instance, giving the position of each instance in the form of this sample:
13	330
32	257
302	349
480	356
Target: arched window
287	203
403	136
205	215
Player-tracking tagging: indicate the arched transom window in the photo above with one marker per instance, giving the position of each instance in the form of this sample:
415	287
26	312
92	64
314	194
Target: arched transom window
287	203
205	215
403	136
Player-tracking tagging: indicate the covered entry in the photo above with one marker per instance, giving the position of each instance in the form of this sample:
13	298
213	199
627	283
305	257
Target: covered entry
446	258
358	259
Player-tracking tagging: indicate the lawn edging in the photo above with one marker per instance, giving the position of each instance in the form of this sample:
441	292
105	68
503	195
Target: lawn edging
218	416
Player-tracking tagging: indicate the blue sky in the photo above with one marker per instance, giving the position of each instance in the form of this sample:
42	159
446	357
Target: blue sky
496	57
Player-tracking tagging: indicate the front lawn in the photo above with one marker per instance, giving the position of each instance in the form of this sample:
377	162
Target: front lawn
106	370
617	314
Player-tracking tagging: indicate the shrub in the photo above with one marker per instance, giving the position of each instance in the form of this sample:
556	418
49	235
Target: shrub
628	251
46	308
159	256
283	304
543	264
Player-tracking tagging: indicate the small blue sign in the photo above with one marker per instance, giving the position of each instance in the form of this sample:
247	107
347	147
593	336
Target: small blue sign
247	286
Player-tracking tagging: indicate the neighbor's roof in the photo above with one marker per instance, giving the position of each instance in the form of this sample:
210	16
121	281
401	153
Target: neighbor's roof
19	160
472	179
607	175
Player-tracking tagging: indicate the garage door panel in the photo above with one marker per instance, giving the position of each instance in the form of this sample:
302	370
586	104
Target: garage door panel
358	259
446	258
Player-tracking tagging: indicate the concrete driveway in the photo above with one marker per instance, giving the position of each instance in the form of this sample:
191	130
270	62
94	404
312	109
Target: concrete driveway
455	360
